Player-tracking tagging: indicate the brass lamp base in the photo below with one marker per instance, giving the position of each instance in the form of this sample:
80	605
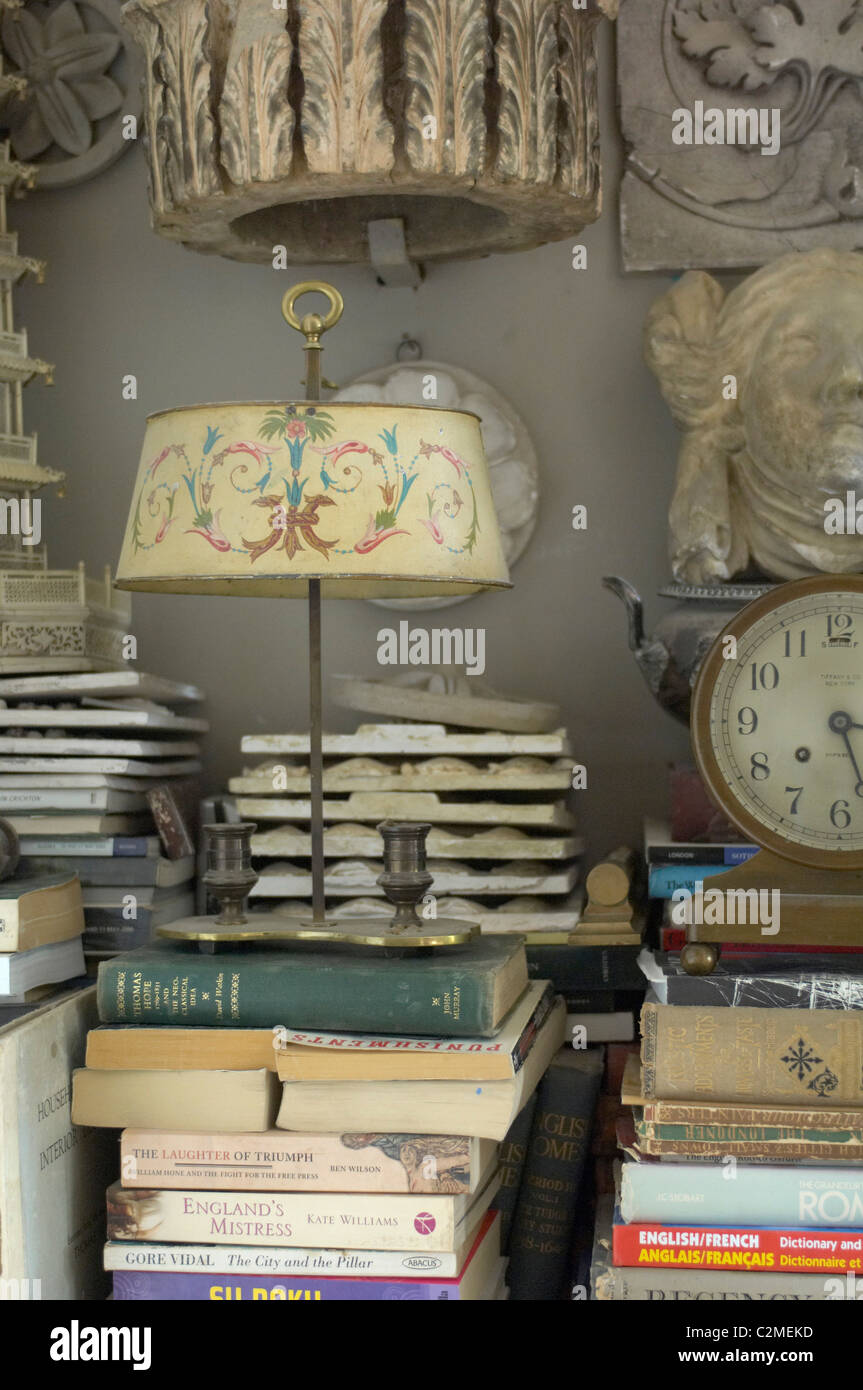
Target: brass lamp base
362	931
404	880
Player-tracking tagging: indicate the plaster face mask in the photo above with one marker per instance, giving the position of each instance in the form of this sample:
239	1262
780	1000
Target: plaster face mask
803	405
759	467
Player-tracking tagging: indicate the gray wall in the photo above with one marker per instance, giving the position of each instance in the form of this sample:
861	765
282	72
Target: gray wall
565	345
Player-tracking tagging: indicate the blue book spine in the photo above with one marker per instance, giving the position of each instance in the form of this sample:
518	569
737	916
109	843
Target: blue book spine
738	854
131	846
704	1194
665	880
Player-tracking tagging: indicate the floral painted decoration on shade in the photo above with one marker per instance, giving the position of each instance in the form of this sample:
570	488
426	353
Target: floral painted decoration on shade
295	471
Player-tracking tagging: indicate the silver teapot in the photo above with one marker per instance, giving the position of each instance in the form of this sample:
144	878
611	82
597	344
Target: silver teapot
670	659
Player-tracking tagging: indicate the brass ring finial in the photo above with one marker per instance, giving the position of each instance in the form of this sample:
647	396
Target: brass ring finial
313	325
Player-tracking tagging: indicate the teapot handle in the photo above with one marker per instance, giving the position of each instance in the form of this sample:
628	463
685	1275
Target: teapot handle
631	600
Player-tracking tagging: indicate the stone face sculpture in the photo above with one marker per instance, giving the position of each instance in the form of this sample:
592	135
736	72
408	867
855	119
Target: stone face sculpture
767	385
296	126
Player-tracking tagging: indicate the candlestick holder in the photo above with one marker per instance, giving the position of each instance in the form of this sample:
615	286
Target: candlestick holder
405	880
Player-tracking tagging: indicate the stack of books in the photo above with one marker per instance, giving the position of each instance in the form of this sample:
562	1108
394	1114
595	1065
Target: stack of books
745	1170
502	848
41	926
312	1123
674	866
688	847
87	765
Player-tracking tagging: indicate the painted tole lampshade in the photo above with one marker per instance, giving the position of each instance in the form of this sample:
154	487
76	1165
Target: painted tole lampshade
258	498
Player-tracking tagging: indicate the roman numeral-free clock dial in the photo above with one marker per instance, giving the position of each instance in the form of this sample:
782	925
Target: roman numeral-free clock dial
777	721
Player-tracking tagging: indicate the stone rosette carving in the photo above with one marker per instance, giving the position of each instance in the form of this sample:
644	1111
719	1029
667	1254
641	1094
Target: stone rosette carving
726	205
81	75
767	385
477	125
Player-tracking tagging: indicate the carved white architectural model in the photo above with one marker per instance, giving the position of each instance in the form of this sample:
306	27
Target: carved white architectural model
21	475
50	620
743	124
767	386
298	125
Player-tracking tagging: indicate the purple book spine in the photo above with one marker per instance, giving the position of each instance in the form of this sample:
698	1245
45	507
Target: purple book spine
246	1288
130	846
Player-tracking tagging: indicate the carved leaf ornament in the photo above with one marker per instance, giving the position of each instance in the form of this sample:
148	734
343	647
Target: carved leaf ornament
819	41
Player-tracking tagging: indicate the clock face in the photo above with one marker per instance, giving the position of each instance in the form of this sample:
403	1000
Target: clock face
778	721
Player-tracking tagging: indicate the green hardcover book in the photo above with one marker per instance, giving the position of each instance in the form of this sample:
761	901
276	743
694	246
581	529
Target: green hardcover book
457	991
542	1233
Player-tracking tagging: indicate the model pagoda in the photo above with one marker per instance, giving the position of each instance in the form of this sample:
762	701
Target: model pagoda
50	620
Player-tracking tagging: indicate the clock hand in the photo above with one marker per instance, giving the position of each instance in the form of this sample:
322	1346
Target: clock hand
859	787
840	723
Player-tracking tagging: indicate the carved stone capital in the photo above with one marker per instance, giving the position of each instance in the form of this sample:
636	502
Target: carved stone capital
296	127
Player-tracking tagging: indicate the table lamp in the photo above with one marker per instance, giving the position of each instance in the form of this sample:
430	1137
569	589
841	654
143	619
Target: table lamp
299	499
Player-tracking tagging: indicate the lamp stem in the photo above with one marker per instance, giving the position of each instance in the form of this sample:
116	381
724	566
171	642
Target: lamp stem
313	371
316	755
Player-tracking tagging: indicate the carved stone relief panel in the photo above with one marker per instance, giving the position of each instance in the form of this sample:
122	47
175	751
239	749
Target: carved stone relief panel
743	121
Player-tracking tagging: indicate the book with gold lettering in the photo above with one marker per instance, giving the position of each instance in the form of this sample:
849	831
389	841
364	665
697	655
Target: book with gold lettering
542	1231
703	1113
512	1155
453	991
805	1057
